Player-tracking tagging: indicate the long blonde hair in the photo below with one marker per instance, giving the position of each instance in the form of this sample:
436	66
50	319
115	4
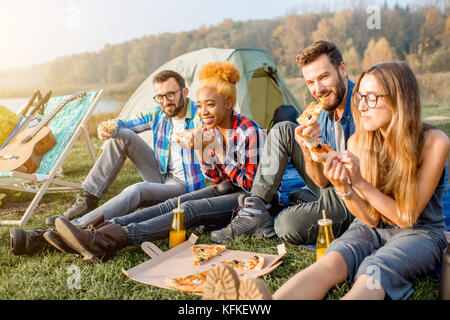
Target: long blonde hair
390	163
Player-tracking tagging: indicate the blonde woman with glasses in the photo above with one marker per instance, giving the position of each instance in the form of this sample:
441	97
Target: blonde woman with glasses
392	176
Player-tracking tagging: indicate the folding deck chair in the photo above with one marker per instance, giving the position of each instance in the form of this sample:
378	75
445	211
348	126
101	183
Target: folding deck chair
66	127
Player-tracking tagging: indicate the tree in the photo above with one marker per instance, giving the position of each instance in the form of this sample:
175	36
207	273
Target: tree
352	60
80	72
324	31
116	73
377	52
395	31
138	58
294	35
432	28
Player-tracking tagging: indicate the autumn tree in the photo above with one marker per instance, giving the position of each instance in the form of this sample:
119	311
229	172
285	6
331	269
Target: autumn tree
432	28
378	51
352	59
294	35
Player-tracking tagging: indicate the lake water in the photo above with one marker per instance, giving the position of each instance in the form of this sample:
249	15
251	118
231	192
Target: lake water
103	105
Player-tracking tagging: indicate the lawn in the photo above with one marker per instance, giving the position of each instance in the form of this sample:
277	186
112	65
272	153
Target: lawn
49	274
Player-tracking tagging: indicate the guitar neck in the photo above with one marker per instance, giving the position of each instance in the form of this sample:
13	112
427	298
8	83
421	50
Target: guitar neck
52	114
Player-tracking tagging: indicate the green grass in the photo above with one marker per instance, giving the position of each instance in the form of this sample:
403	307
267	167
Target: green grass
46	275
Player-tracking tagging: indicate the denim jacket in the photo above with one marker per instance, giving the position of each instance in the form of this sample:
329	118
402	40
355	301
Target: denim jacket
327	134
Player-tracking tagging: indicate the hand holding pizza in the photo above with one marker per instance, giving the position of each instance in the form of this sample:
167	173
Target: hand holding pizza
106	129
194	138
303	131
308	125
351	165
186	139
311	131
336	173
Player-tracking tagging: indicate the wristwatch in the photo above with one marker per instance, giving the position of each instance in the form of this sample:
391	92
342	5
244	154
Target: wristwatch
345	196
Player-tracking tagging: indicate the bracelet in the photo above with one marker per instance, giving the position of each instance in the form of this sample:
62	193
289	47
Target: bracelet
345	195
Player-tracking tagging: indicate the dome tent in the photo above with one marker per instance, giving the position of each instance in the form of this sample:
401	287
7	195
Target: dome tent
260	91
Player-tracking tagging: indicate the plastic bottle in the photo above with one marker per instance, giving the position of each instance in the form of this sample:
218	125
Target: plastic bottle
324	238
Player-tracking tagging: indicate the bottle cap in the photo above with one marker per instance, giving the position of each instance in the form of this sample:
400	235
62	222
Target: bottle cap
325	222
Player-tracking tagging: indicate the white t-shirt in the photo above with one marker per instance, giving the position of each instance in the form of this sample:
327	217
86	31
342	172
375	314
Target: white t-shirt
340	137
175	160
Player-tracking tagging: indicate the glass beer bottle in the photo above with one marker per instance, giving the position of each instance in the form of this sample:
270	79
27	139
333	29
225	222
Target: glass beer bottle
324	238
177	233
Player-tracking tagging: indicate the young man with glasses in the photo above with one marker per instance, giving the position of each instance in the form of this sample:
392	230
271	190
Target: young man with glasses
325	74
167	170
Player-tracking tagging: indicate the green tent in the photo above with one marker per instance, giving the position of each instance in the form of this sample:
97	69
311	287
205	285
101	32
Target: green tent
260	91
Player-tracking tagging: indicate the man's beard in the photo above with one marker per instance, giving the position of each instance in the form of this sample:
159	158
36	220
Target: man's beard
178	107
338	91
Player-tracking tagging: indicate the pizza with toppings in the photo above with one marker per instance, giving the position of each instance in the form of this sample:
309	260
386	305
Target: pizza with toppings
110	126
310	115
192	283
204	252
183	139
319	151
253	264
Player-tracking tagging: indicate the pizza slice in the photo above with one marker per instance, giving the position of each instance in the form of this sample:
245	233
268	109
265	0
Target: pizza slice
110	126
319	150
310	115
253	264
204	252
192	283
183	133
181	137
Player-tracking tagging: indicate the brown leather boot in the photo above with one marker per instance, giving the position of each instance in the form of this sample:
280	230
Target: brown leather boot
28	241
53	237
96	222
93	244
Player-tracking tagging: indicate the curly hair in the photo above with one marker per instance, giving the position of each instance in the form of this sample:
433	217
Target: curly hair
221	76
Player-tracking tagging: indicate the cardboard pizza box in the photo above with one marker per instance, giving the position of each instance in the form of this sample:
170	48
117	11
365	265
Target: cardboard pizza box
177	262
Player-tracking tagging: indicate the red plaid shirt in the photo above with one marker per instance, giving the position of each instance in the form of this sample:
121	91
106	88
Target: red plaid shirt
243	151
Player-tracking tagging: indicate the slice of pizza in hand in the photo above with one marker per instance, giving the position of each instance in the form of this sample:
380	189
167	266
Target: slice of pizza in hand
319	151
204	252
192	283
183	133
181	137
310	115
254	263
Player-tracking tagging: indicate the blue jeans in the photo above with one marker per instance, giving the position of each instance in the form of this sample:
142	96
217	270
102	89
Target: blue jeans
201	207
155	188
138	195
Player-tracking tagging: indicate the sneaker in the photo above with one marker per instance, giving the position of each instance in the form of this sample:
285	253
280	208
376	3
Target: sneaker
83	204
252	218
222	283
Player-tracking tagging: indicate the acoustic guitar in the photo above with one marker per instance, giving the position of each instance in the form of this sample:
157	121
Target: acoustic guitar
25	151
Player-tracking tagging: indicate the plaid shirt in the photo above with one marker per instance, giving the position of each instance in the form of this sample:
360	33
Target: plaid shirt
156	120
243	151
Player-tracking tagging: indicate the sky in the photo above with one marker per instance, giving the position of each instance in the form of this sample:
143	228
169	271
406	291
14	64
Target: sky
38	31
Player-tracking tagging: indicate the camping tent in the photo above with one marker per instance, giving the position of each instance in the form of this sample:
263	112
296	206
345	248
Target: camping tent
260	91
